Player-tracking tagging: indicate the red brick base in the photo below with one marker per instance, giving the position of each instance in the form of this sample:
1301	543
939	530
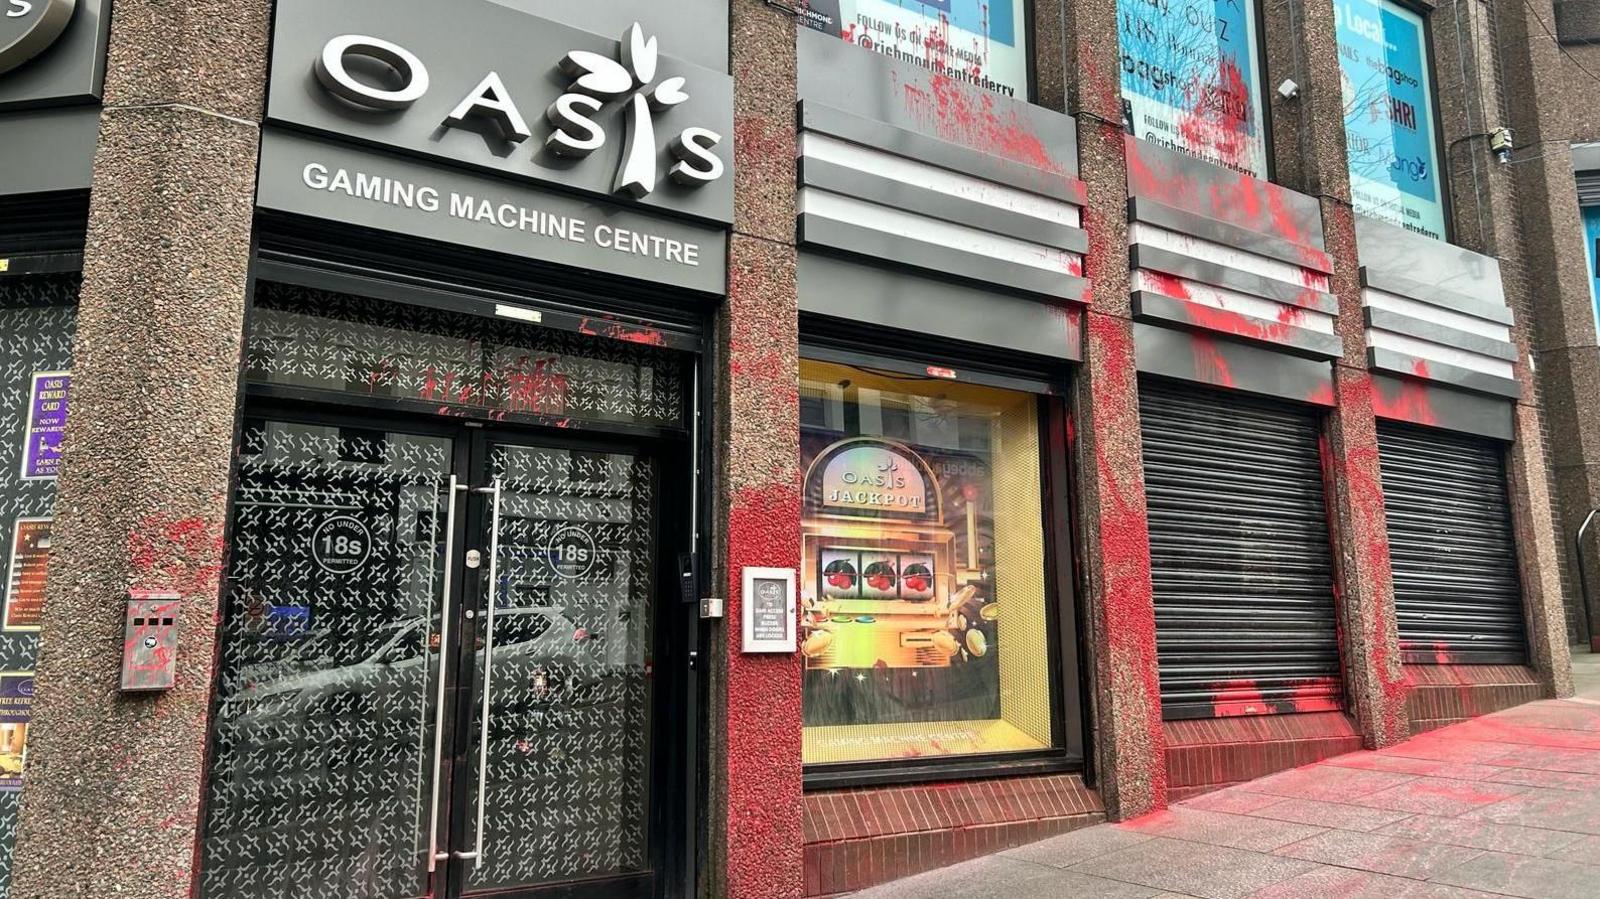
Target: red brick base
1212	753
1445	694
858	838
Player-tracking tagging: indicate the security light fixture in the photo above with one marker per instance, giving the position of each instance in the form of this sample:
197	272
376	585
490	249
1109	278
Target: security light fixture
1500	143
1288	90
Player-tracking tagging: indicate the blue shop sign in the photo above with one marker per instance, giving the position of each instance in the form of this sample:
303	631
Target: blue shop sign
1389	115
1191	78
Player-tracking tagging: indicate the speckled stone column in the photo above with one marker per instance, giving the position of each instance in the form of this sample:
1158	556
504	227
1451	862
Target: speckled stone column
1509	212
1309	156
111	804
1128	740
1555	272
1369	633
756	806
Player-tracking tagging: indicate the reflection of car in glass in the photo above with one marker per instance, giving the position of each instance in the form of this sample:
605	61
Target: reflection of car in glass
538	653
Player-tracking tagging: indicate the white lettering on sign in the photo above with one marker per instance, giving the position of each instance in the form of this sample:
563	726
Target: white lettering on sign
497	213
595	80
336	78
19	8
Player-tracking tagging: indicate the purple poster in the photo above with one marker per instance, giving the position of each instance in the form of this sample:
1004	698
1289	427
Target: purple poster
16	708
47	422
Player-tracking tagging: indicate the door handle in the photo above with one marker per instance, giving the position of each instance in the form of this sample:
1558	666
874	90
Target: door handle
434	855
476	855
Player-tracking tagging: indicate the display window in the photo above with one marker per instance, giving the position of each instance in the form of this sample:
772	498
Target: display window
1191	78
926	623
979	42
1391	137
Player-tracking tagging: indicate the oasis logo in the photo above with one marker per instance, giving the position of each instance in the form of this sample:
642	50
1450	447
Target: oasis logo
596	80
27	27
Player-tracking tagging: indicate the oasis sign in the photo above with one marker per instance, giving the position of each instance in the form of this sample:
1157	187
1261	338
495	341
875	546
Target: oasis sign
487	86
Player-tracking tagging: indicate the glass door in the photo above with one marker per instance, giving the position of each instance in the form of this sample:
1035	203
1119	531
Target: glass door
439	669
322	780
556	775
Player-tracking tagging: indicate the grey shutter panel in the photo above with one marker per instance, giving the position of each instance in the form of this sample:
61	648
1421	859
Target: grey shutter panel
1457	592
1589	188
1239	554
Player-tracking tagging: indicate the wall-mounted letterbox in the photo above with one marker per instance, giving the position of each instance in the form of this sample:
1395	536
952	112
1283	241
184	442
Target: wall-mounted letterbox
150	641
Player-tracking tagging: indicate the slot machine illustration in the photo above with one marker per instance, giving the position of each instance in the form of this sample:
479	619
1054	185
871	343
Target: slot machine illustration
881	581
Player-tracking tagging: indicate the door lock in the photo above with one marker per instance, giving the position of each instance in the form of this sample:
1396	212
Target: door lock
474	558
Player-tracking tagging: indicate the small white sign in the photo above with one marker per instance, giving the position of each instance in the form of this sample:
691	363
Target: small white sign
769	610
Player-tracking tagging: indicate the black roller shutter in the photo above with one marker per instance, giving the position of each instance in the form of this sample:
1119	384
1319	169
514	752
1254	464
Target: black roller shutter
1239	554
1457	593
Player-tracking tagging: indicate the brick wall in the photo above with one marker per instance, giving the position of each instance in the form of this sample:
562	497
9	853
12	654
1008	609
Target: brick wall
1212	753
861	837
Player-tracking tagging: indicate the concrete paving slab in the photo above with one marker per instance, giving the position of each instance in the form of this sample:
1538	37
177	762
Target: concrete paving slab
1326	783
1382	854
1325	881
1079	845
1196	869
1233	800
1586	851
1330	814
1550	809
1377	761
1441	747
1476	834
1439	796
947	883
1522	875
1552	780
1546	758
1220	829
1459	813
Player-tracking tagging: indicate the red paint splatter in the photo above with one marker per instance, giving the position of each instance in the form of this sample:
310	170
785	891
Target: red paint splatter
1167	285
175	554
1358	470
1218	121
1128	606
764	774
1409	403
1210	365
1237	697
967	115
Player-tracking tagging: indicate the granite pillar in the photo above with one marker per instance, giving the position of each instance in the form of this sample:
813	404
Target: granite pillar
755	806
113	794
1555	277
1128	740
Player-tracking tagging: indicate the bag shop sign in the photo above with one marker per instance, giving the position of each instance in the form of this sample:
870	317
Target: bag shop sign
486	86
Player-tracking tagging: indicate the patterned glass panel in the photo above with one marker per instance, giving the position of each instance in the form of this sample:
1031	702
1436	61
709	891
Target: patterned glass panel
321	770
567	785
307	338
37	318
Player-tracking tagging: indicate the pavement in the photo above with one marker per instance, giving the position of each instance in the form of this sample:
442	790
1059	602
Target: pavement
1504	805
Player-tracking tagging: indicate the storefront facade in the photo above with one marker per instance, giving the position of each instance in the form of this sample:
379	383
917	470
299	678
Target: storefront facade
732	450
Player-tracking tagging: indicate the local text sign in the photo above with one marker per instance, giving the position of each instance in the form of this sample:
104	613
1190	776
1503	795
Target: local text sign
484	85
1388	115
1190	78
